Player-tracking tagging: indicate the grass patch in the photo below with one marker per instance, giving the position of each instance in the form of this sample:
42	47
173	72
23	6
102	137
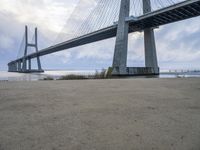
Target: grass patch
98	75
103	74
48	78
73	77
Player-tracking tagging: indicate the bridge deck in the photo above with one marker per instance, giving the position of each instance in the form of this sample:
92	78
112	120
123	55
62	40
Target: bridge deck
177	12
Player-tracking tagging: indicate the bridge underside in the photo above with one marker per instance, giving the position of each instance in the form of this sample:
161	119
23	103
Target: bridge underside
181	11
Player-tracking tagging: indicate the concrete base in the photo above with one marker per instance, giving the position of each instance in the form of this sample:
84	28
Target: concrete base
134	71
143	71
29	71
32	71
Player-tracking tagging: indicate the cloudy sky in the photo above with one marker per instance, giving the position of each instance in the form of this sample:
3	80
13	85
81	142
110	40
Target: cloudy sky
178	44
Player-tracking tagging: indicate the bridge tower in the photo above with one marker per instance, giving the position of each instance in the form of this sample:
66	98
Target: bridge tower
121	46
24	60
149	42
20	65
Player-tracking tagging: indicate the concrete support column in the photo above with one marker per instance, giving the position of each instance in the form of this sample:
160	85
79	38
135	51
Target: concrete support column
149	42
10	67
39	63
121	45
29	64
150	49
19	66
24	66
36	44
15	66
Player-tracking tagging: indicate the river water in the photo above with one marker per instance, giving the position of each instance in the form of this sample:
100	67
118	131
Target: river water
7	76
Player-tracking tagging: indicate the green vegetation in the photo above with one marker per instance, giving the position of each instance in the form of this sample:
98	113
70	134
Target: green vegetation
48	78
103	74
98	75
73	77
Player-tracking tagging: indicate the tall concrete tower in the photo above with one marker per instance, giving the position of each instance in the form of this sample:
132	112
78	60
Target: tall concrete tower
24	60
149	42
120	53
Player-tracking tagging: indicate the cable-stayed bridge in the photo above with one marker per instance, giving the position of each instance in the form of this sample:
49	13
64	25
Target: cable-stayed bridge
113	18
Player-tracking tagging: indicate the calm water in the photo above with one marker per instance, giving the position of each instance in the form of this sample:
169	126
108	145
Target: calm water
7	76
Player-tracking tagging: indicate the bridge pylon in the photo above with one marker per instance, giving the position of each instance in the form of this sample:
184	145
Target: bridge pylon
21	64
119	66
149	43
25	68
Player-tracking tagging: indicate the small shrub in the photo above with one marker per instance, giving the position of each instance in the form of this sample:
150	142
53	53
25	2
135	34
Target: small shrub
100	75
48	78
73	77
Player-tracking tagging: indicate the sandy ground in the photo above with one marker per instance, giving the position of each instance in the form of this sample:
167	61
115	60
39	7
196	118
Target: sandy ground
126	114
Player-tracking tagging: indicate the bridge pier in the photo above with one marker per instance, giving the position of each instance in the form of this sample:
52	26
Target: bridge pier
10	67
121	45
119	66
36	48
149	43
24	65
39	64
13	67
19	66
29	64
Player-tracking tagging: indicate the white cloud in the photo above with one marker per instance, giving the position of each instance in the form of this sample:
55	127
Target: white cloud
101	50
178	42
6	42
63	56
44	13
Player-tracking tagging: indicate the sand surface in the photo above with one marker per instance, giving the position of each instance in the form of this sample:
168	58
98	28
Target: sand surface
125	114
